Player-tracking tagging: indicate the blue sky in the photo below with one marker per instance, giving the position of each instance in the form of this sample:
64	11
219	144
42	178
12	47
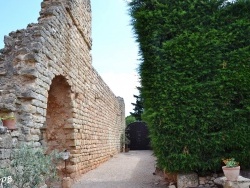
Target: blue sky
114	51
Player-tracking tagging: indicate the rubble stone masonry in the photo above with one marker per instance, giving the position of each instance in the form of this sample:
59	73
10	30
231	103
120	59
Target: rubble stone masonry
58	99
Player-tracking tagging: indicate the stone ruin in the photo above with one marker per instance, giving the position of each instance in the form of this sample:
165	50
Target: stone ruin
58	99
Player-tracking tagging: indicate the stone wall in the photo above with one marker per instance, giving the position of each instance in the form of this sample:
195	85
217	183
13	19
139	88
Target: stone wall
58	99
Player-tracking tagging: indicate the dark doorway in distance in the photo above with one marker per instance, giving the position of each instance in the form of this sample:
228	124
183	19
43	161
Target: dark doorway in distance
137	133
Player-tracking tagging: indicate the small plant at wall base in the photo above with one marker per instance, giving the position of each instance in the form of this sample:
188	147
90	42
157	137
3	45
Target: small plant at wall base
30	167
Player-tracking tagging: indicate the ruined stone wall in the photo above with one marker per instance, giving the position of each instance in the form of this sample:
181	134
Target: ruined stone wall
58	99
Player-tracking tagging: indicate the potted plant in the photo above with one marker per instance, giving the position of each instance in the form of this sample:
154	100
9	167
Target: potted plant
231	170
9	121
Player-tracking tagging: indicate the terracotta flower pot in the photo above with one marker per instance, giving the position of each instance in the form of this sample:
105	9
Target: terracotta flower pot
232	173
10	124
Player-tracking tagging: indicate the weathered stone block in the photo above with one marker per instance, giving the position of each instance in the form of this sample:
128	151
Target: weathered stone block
5	141
5	153
171	186
36	47
32	138
75	160
25	130
28	94
29	72
40	111
26	117
4	163
3	129
73	136
240	183
37	103
21	137
41	97
3	71
37	125
22	51
202	180
35	131
67	182
28	108
14	142
30	57
15	133
8	41
39	119
71	168
29	124
187	180
8	99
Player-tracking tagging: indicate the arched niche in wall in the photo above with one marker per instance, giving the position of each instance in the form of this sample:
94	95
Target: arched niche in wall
59	111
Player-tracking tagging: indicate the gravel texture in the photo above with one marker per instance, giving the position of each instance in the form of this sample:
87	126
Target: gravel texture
126	170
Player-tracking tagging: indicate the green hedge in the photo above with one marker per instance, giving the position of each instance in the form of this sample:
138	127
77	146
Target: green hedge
195	76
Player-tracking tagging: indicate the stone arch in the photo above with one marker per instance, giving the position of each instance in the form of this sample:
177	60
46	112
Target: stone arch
58	116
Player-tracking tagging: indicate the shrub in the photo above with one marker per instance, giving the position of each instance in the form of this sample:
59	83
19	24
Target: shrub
129	119
30	167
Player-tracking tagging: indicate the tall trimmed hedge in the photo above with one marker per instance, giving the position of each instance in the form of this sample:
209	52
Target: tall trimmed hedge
195	76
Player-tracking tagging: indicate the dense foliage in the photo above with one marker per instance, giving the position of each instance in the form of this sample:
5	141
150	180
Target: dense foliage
30	167
129	119
195	76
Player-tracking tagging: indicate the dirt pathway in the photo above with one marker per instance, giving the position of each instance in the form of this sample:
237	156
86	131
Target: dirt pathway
125	170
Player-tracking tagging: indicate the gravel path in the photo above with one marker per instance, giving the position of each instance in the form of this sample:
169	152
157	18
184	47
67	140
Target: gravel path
125	170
